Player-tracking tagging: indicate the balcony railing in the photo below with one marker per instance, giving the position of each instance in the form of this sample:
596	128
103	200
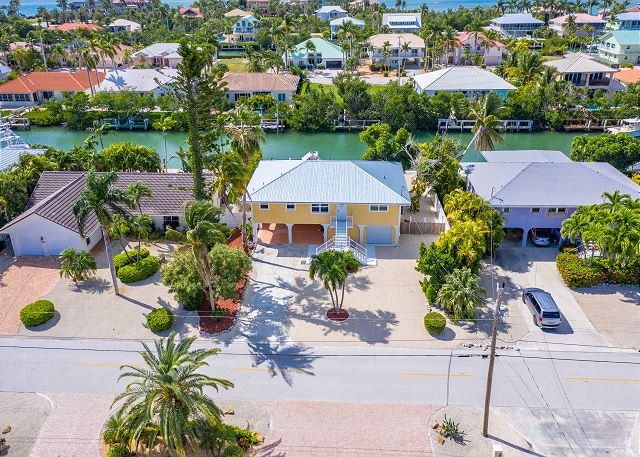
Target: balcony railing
334	221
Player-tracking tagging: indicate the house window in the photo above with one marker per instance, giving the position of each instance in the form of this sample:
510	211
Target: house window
264	206
21	97
282	97
291	206
535	210
320	208
506	210
378	208
558	211
6	98
171	221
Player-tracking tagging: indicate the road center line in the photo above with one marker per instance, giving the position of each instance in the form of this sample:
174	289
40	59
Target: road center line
604	379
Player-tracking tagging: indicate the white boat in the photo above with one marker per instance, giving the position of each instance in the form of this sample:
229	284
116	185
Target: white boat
13	146
629	126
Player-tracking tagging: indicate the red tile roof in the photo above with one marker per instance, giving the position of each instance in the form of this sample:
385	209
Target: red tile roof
635	9
76	81
73	26
463	36
628	76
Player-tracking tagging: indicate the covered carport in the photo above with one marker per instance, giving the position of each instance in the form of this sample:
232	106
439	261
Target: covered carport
307	234
273	234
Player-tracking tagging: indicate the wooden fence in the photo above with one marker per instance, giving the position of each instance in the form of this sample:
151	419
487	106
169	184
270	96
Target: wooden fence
422	228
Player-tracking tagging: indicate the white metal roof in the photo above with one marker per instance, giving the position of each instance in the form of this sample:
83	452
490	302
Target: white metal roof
461	79
517	18
158	49
579	63
330	8
525	155
329	181
137	79
134	26
563	185
342	20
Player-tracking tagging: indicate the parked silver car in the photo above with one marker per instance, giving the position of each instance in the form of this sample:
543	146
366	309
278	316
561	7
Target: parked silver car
544	309
541	237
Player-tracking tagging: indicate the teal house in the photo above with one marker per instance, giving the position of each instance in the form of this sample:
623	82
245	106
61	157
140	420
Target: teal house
620	46
316	53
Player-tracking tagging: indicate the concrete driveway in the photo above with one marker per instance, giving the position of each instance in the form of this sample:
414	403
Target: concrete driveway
535	267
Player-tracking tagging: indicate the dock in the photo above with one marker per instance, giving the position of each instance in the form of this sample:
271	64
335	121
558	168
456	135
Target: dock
18	122
353	124
126	124
271	125
590	125
465	125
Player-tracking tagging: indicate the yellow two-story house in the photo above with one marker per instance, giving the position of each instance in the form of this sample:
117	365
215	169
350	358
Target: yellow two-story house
329	201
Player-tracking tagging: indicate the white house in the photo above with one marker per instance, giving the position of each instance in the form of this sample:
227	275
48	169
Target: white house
627	21
403	48
48	225
328	12
468	44
402	22
316	53
586	24
124	25
542	194
4	71
245	29
335	24
582	71
281	87
140	80
473	82
159	55
516	25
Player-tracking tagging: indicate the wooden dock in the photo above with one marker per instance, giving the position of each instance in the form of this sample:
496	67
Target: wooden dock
18	122
273	125
465	125
126	124
353	124
590	125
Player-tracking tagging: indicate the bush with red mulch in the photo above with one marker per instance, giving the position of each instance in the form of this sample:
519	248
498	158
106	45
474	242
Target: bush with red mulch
216	324
337	315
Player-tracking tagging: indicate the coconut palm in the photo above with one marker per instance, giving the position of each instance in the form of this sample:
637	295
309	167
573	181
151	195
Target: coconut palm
77	265
461	294
166	399
135	193
103	199
333	268
575	226
309	48
487	123
229	179
164	125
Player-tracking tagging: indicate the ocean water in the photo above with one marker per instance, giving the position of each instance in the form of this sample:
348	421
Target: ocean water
30	7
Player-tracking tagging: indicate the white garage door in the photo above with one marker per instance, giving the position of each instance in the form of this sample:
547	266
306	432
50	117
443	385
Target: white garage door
56	245
379	234
27	245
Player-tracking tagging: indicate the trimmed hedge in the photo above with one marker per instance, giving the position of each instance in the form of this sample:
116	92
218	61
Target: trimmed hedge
120	260
140	270
434	322
37	313
246	438
118	450
577	272
159	320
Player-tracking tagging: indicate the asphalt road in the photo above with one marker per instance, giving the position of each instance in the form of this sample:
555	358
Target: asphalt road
534	379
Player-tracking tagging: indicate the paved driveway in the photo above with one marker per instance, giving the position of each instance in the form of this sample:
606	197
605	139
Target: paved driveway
22	281
536	267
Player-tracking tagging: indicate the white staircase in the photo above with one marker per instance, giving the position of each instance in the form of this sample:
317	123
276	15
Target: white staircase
342	242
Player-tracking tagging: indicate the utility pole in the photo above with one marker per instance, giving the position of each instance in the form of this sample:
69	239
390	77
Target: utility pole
492	358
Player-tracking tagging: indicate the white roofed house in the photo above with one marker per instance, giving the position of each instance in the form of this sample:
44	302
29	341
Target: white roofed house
585	24
473	82
541	194
159	55
316	53
629	20
335	24
403	48
280	86
245	29
328	12
402	22
124	25
516	25
469	44
142	81
582	71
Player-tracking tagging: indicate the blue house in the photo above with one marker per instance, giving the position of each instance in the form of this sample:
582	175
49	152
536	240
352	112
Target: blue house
542	193
516	25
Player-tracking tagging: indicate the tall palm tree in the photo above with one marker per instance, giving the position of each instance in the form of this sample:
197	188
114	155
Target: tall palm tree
229	179
461	294
203	231
575	226
164	125
310	47
333	268
135	193
246	137
102	198
166	400
487	123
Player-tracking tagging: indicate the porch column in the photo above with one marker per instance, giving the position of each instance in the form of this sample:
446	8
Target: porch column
254	229
525	235
290	232
361	227
397	243
325	228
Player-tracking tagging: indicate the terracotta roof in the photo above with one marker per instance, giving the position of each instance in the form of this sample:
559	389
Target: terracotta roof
73	26
190	11
464	36
236	12
628	76
251	82
51	81
635	9
57	192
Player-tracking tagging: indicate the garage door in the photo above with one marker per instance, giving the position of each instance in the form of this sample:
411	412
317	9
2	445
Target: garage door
27	245
379	234
56	245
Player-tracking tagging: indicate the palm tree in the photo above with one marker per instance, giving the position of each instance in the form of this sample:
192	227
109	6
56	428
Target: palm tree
135	193
165	124
102	198
575	226
246	136
333	268
77	265
615	200
487	123
229	179
310	47
203	231
166	399
461	294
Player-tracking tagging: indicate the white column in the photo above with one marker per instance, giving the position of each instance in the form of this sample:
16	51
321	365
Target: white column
324	232
397	235
525	235
361	227
255	228
290	232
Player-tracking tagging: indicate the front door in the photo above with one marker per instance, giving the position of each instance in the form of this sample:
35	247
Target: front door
341	212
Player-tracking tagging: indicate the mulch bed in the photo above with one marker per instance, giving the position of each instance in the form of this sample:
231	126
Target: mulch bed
338	315
231	307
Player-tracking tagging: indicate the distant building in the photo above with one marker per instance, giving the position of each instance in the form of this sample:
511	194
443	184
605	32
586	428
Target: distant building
245	29
36	87
159	55
236	12
319	54
121	4
628	21
335	24
260	5
516	25
328	12
280	87
626	77
473	82
403	48
4	71
402	22
582	71
586	24
143	81
75	26
468	45
124	25
190	12
620	46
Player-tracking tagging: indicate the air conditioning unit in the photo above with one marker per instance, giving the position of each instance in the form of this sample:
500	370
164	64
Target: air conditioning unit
497	451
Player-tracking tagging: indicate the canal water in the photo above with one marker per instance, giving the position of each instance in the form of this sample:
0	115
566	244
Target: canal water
288	145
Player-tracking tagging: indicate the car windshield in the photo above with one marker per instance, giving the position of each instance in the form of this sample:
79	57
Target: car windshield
542	233
551	315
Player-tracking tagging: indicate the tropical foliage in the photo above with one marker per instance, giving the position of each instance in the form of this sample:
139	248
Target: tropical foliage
77	265
37	313
622	151
461	294
333	269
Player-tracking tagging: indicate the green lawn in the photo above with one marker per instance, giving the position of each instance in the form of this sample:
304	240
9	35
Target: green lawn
236	65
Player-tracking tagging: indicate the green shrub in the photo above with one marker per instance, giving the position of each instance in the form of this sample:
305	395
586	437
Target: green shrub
181	276
189	298
218	314
576	272
44	117
233	450
159	320
174	235
140	270
120	260
434	322
431	292
37	313
118	450
245	438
